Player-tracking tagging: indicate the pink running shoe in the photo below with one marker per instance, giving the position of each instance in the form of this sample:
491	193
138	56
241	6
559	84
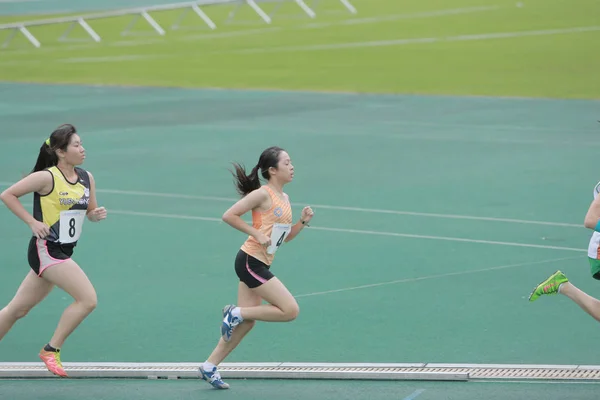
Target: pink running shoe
52	361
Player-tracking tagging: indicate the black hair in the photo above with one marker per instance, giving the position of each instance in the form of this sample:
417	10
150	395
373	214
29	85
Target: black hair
247	183
58	140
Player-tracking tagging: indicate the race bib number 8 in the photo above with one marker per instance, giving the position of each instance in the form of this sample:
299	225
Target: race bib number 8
71	223
280	231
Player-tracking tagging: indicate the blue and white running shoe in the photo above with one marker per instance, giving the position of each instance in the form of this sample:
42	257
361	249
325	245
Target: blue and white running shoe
229	322
214	378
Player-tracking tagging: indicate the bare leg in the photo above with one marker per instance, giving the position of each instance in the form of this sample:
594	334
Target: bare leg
246	298
587	303
32	291
69	277
282	308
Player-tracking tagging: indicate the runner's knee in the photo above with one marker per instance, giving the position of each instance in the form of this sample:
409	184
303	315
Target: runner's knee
291	311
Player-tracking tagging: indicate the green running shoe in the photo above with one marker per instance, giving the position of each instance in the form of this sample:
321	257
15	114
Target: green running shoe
549	286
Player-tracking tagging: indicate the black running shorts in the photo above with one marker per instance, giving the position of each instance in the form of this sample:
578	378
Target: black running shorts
251	271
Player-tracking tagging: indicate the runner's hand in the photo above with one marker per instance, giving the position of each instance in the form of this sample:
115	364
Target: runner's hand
40	230
97	214
307	214
263	239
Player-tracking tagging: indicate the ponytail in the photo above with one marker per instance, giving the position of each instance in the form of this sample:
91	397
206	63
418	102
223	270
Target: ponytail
245	184
47	157
58	140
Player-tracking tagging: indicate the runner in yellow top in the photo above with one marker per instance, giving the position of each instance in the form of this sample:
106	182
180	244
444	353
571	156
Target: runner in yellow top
271	227
63	196
559	283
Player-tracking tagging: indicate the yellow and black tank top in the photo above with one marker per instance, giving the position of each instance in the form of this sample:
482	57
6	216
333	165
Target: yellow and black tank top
65	207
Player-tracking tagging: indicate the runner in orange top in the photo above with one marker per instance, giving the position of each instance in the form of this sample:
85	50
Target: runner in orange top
271	227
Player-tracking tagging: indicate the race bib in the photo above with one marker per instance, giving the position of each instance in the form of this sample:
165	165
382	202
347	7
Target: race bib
71	223
278	234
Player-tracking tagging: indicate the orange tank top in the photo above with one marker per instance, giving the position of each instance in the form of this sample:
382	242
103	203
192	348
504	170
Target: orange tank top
276	223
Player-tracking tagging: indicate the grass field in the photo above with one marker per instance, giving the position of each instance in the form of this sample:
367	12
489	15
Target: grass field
544	48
